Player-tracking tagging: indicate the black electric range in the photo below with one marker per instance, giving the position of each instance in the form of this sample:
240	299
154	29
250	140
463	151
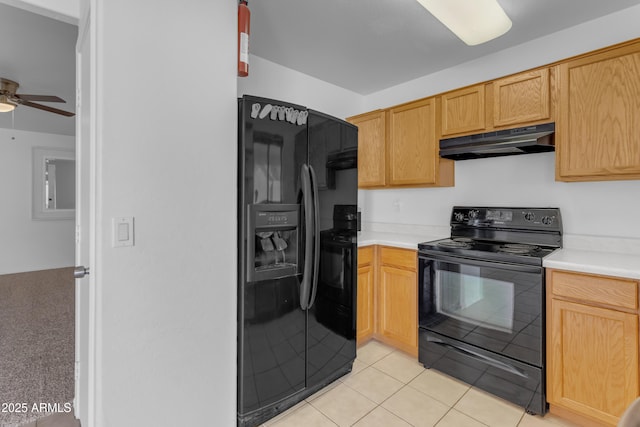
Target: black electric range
519	235
481	300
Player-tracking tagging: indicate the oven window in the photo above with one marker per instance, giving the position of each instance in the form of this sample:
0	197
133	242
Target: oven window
467	296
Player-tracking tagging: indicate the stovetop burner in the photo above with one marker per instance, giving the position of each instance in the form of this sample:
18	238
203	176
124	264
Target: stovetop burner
460	242
487	250
517	235
518	248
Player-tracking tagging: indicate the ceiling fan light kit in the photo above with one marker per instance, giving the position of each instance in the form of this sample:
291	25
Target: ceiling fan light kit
6	105
473	21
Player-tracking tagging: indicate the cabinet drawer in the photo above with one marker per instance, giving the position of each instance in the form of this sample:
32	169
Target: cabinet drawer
365	255
403	258
596	289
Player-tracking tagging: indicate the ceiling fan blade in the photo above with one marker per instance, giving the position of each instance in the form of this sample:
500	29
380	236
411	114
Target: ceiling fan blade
43	98
45	108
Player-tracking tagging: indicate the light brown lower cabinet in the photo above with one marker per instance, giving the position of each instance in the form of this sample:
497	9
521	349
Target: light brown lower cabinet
398	299
393	302
592	346
364	316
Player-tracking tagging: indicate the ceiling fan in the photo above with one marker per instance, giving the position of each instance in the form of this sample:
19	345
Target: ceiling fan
9	99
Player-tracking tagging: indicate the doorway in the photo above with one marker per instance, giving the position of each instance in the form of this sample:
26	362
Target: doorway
37	290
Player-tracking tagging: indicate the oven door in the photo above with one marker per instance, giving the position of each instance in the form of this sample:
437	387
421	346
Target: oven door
482	322
495	306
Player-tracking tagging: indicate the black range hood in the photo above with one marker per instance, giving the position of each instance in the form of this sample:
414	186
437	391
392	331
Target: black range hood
530	139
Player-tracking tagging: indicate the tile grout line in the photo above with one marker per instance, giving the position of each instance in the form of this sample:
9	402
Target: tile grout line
405	384
483	392
386	373
464	413
330	419
323	414
376	403
389	397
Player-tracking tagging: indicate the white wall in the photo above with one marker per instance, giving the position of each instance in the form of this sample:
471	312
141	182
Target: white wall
166	118
27	244
590	208
599	208
270	80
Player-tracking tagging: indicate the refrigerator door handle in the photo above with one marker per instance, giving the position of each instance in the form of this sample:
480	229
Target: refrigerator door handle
316	236
307	200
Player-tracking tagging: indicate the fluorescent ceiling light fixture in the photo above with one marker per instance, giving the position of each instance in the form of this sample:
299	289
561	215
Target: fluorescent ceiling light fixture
473	21
6	105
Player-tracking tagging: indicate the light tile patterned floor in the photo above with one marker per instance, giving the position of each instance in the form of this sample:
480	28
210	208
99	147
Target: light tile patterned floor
387	388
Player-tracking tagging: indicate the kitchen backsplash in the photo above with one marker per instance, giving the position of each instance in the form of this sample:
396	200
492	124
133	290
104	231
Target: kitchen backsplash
429	231
605	210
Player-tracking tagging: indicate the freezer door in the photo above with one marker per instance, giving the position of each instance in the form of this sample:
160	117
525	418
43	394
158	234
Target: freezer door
272	147
272	348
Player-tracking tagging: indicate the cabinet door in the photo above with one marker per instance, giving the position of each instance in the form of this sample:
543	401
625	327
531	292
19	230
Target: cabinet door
371	148
398	307
592	360
413	148
598	134
364	325
523	98
463	110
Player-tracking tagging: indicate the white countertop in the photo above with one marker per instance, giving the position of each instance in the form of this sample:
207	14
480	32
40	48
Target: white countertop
586	254
595	262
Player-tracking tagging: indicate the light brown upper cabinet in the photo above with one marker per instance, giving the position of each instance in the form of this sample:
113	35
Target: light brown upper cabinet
598	133
592	98
463	110
518	100
409	156
521	99
371	148
413	147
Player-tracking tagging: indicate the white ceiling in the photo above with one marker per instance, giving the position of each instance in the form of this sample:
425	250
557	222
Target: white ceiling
361	45
370	45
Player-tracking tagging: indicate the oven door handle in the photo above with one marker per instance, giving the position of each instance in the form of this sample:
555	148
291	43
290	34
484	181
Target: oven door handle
487	360
438	256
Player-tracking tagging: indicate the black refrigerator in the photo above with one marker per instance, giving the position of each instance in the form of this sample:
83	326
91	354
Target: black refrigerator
297	254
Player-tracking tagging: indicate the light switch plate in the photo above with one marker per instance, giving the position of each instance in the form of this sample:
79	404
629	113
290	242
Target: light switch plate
122	231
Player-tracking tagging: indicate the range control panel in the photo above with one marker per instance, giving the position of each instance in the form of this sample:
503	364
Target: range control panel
500	217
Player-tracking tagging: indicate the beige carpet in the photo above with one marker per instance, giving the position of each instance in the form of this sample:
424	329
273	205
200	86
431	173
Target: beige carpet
36	344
